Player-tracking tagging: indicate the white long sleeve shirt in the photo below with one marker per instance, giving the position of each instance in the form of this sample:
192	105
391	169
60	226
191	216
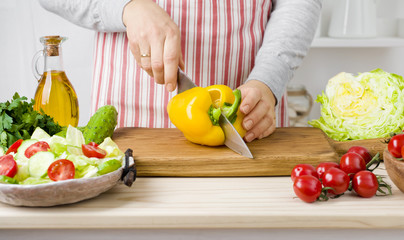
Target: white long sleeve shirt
290	31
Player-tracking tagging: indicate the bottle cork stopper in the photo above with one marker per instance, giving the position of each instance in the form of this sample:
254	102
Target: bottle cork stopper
52	44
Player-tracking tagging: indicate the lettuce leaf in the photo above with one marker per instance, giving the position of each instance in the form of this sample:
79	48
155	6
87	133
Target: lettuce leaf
369	105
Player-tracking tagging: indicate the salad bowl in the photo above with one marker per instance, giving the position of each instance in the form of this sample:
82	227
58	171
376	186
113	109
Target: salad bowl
68	191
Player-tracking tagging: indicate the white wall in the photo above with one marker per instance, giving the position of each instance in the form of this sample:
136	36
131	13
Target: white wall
23	22
323	63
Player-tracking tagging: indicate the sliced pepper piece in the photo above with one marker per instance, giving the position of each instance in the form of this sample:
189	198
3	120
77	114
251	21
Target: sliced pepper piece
228	101
196	113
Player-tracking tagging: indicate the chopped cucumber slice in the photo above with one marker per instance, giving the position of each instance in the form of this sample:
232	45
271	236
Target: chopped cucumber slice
20	156
23	172
109	166
39	163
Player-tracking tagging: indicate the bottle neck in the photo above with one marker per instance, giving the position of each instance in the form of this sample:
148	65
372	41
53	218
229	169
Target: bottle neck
53	58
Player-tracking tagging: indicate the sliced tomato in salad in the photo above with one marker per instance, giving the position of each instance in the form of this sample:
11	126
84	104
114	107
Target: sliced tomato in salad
93	144
14	147
61	169
93	151
8	166
40	146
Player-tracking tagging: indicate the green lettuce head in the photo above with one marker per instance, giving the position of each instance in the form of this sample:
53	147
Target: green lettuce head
369	105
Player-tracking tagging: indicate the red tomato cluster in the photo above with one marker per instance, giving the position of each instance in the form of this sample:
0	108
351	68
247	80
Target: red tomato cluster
315	183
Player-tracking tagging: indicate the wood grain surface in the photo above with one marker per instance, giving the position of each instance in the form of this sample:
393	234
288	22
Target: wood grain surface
374	146
166	152
212	203
395	169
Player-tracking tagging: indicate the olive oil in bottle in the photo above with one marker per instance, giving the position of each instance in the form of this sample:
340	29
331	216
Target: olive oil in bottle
55	94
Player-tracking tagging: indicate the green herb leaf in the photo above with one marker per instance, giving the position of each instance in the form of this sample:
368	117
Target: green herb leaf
18	120
5	121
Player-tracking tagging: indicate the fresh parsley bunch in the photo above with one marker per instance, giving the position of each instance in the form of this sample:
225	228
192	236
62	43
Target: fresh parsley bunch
18	120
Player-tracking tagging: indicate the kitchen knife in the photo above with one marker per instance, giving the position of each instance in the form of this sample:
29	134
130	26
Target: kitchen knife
184	82
233	140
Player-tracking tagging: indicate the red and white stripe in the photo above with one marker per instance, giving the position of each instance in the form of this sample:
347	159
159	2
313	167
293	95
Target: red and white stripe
220	40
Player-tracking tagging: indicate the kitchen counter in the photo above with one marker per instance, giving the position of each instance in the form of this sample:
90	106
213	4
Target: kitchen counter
211	203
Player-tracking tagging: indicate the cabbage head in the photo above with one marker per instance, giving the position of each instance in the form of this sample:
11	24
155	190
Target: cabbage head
369	105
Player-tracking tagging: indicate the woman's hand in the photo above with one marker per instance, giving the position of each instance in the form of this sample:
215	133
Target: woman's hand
258	105
154	40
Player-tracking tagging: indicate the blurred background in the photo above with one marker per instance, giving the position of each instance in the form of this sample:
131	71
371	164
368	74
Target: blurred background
352	36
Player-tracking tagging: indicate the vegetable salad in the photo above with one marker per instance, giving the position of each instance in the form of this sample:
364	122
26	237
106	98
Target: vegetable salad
44	158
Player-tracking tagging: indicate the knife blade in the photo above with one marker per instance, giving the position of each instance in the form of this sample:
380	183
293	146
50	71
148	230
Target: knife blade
233	140
184	82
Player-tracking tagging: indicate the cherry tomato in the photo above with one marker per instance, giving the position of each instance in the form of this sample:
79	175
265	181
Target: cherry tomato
93	144
40	146
362	151
13	148
365	184
61	169
8	166
324	166
352	163
336	179
307	188
92	151
395	145
303	169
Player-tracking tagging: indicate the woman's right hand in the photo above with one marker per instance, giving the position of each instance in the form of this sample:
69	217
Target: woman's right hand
152	32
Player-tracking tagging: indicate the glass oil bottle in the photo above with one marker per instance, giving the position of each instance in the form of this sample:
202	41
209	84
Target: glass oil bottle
55	94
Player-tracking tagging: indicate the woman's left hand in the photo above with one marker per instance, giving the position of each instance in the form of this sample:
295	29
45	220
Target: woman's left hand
258	105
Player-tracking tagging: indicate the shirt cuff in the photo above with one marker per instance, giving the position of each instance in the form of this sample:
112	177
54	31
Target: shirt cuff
273	73
111	12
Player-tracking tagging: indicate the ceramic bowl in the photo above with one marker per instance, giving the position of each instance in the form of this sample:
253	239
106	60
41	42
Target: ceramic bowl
58	193
67	191
395	169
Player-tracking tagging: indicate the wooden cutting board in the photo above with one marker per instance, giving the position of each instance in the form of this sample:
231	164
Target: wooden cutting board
166	152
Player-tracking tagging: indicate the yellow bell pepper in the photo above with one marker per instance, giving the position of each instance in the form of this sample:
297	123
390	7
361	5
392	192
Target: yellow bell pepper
224	98
196	113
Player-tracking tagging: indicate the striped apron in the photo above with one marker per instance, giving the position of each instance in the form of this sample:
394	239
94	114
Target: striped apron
219	41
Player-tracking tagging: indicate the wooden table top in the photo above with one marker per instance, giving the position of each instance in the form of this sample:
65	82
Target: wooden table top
227	202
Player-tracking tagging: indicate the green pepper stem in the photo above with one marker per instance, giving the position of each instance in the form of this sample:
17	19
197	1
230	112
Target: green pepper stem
214	115
230	110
